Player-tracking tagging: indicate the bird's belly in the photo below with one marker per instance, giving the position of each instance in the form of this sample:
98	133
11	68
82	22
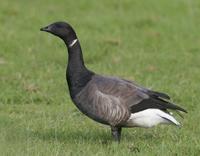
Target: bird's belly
91	112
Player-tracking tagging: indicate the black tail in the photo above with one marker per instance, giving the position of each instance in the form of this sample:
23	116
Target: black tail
169	105
155	103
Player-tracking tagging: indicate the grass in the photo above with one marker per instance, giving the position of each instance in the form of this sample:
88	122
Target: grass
156	43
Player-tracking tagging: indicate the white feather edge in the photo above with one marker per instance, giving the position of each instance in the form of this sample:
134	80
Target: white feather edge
149	118
73	42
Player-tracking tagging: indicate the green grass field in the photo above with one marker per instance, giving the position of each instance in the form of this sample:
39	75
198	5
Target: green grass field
156	43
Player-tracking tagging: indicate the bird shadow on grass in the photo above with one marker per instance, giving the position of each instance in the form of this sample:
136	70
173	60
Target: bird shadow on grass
72	136
91	137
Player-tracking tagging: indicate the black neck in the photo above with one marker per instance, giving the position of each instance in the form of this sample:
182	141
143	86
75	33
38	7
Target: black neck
77	74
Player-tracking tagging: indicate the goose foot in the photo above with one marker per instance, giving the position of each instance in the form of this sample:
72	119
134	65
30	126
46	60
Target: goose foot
116	133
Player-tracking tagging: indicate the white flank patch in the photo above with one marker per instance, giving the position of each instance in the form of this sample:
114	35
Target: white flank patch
73	42
149	118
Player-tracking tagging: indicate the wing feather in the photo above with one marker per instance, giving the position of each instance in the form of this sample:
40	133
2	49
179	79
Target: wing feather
137	97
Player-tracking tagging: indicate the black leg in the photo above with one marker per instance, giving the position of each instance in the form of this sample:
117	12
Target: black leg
116	133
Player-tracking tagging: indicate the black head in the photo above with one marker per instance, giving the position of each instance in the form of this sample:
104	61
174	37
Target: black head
61	29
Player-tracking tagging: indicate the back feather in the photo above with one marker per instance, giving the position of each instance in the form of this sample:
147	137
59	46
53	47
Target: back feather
158	94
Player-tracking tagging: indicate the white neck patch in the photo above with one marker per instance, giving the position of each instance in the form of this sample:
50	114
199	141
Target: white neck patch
73	42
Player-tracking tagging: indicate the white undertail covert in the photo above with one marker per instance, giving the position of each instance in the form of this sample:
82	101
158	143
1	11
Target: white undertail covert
149	118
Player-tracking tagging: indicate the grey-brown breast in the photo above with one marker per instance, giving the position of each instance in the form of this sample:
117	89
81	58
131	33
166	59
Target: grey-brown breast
108	99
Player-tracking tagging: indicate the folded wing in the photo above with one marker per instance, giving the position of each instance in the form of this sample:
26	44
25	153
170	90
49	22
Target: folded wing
137	98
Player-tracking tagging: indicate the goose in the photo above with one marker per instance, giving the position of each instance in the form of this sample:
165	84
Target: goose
113	101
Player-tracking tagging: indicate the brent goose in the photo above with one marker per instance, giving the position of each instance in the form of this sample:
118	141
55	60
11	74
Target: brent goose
110	100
